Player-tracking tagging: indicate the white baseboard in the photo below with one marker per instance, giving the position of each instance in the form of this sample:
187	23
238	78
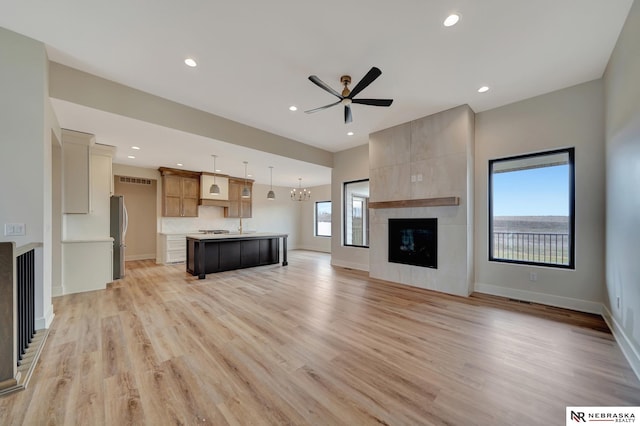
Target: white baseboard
312	248
140	257
630	351
350	265
545	299
57	291
46	320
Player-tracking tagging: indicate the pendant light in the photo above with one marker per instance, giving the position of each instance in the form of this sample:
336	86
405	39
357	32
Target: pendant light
271	195
300	194
214	189
245	190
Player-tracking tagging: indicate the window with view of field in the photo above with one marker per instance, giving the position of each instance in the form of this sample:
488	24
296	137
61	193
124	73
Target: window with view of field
323	218
531	209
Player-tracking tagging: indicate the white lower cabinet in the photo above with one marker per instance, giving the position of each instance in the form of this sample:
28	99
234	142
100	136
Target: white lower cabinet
174	247
87	265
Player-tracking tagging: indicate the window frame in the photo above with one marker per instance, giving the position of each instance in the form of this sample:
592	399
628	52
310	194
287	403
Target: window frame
315	219
365	215
572	201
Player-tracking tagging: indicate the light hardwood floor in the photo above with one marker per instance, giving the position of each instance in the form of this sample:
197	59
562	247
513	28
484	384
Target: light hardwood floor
312	344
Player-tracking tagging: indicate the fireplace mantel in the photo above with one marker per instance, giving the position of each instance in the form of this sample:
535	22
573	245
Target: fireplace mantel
423	202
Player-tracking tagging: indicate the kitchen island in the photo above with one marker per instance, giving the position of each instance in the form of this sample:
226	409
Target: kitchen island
208	253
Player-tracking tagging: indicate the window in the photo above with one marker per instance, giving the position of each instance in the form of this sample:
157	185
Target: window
356	213
531	209
323	218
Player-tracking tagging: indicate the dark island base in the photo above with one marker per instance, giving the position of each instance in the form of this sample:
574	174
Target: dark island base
205	256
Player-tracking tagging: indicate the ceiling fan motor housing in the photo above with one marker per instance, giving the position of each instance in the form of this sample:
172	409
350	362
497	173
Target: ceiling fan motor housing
345	80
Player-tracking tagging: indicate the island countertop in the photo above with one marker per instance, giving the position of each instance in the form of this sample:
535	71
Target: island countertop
232	236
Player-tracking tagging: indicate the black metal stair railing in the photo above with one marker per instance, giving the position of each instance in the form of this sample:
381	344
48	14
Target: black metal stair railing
25	276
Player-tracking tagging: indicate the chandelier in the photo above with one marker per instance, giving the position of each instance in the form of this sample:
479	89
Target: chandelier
300	194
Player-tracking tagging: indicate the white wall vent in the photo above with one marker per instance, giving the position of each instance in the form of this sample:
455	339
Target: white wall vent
134	180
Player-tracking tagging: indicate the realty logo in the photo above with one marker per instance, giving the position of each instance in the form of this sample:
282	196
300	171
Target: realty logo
601	414
577	416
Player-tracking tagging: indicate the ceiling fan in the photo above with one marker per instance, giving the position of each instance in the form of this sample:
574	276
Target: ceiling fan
347	96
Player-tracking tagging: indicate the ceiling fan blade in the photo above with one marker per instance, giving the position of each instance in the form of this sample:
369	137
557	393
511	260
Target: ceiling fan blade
366	80
374	102
315	80
347	114
322	107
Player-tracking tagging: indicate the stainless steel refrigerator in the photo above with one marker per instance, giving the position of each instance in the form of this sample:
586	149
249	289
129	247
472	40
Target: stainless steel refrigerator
119	222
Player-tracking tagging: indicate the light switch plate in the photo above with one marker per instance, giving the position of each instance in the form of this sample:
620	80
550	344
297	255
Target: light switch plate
14	229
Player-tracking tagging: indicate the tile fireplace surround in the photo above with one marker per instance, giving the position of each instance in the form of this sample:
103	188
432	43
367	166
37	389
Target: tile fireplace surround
428	158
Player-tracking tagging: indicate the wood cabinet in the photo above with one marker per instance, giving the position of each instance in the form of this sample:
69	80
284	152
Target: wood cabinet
237	204
180	193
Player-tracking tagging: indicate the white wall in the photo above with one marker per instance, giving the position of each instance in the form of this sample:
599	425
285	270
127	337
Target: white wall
622	95
565	118
279	215
307	237
348	165
25	165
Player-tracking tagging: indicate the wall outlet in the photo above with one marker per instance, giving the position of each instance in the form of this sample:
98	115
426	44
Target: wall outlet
533	276
14	229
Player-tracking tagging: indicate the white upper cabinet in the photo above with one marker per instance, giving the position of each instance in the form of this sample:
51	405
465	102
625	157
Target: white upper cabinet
76	171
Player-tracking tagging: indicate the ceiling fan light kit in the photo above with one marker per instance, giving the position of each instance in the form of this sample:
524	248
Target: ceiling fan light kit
347	97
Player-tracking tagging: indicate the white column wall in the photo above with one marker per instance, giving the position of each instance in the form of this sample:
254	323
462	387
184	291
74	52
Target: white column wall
622	96
25	163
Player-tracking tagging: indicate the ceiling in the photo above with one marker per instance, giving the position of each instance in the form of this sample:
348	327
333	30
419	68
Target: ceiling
254	58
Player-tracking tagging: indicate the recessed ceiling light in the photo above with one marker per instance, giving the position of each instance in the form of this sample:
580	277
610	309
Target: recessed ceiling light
349	133
451	20
135	147
293	108
191	62
483	89
179	164
131	156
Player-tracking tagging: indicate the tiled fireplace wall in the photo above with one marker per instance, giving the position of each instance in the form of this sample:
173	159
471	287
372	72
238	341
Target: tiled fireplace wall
430	157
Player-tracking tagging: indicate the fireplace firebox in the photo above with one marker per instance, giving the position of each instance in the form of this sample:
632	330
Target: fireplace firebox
414	242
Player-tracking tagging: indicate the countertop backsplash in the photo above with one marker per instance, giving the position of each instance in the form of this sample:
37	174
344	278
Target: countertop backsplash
208	218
